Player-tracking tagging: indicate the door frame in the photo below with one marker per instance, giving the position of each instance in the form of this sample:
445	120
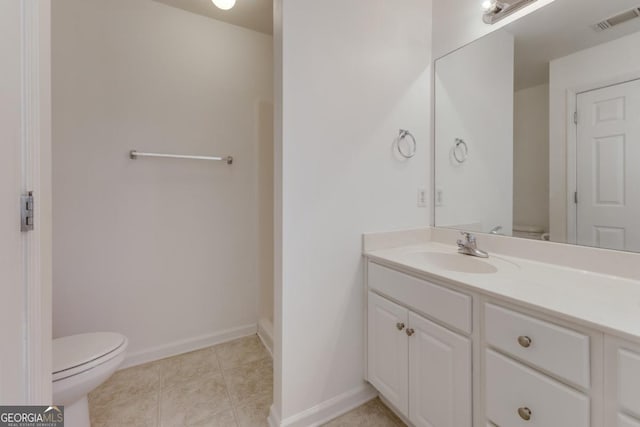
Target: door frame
35	40
572	145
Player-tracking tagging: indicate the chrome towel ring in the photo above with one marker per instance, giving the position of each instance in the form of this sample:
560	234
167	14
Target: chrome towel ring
460	151
412	147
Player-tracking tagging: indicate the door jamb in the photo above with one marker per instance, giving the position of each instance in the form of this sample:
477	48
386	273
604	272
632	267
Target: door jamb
36	177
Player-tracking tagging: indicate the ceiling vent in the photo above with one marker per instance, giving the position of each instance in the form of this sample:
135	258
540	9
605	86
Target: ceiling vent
618	19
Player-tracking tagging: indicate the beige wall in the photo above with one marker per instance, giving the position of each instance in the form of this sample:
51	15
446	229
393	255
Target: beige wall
353	74
164	251
531	157
265	209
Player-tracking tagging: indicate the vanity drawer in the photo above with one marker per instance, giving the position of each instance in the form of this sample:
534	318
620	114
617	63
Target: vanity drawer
440	303
558	350
515	392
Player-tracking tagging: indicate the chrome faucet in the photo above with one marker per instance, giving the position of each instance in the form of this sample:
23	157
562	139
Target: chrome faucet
470	247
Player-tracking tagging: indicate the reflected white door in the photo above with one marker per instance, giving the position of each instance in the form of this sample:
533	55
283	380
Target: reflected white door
12	284
608	167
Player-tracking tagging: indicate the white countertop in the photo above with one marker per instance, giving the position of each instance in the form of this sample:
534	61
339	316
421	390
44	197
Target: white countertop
604	302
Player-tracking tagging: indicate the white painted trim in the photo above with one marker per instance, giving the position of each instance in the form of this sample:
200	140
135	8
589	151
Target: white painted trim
274	417
187	345
571	166
265	333
327	410
36	159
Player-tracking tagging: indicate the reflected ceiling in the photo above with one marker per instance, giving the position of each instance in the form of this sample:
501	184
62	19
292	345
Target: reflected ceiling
256	15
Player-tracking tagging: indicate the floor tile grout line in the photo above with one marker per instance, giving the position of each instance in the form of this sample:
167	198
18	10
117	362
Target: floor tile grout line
159	397
226	389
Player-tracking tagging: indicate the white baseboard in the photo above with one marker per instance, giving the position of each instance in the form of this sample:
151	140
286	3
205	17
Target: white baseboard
274	417
187	345
327	410
265	332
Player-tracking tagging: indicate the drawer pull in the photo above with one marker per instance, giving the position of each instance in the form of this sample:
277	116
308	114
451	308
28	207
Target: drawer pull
400	326
525	413
524	341
410	332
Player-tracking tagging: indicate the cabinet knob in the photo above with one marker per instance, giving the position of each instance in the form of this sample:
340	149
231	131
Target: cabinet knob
525	413
410	332
524	341
400	326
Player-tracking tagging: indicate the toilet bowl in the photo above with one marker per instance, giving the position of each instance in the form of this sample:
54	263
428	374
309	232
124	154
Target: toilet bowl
80	364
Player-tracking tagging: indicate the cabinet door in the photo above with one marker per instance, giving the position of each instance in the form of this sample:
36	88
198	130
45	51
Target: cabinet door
388	358
439	376
622	382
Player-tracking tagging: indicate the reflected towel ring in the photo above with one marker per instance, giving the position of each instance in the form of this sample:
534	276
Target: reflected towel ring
412	149
460	151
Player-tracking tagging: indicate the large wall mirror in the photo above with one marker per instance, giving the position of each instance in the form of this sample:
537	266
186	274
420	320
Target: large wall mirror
537	127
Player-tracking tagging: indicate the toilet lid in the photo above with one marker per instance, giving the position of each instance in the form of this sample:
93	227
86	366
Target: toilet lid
77	350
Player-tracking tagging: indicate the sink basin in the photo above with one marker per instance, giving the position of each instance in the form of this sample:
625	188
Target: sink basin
456	262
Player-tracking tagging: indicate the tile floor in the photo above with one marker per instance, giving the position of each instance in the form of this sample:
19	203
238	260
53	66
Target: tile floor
228	385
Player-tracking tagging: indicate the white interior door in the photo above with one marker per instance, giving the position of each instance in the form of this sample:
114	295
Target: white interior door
608	167
12	278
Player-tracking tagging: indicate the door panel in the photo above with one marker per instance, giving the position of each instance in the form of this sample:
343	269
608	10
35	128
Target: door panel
12	363
608	152
439	376
388	359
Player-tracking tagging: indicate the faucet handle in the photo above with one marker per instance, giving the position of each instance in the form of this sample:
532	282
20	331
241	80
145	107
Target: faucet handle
468	236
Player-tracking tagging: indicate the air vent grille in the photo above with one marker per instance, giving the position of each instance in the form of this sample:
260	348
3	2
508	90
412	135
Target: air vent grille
617	20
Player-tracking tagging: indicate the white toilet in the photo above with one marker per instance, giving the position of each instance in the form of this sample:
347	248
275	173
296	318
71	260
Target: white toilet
529	232
80	364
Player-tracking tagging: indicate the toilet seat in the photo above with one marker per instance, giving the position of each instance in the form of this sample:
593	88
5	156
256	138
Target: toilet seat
76	354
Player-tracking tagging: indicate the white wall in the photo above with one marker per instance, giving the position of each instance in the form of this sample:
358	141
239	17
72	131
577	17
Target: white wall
474	102
353	73
164	251
458	22
531	157
601	65
265	209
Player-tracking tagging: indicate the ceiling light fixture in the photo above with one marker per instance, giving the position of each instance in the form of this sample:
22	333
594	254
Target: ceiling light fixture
495	10
224	4
488	5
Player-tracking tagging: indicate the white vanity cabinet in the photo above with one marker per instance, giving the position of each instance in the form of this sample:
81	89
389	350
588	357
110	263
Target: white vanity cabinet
440	366
622	383
422	368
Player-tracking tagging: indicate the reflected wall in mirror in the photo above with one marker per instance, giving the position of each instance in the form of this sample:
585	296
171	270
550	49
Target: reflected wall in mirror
537	127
